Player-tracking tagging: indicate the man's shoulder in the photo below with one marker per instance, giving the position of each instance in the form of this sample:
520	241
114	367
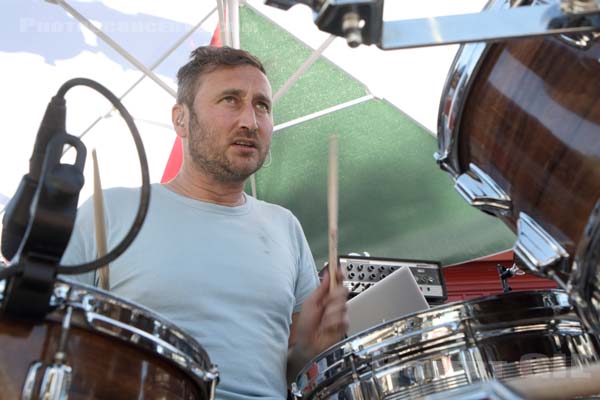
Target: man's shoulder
121	193
128	196
116	199
271	208
278	216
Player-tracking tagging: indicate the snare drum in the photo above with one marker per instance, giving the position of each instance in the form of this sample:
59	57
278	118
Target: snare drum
519	131
452	346
95	345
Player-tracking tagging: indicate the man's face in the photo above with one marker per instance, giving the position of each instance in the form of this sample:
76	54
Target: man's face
231	124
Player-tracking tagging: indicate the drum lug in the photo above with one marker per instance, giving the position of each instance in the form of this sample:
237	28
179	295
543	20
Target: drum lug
444	161
480	191
538	250
296	392
359	391
29	385
56	382
212	376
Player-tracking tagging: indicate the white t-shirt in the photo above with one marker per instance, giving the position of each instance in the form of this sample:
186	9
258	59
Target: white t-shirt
229	276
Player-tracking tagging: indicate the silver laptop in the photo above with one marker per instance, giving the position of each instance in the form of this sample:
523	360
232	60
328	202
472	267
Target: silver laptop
393	297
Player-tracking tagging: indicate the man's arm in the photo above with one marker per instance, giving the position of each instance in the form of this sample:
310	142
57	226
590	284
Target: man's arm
294	361
322	322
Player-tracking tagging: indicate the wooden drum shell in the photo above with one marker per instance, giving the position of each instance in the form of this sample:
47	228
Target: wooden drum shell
531	121
103	367
92	344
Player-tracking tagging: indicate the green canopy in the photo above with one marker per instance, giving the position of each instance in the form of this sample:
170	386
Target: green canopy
393	199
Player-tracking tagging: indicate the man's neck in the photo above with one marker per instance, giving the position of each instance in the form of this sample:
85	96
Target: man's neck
205	188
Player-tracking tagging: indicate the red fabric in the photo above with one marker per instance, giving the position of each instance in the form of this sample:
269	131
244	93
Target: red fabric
216	38
176	156
174	162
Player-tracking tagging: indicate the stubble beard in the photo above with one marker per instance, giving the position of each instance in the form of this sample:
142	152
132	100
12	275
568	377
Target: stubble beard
210	160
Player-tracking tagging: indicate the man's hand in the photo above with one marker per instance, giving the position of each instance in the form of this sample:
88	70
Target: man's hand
322	323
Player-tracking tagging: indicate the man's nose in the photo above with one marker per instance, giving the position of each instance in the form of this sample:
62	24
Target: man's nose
248	118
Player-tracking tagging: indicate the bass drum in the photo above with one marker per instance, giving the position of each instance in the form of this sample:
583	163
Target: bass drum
451	347
519	132
95	345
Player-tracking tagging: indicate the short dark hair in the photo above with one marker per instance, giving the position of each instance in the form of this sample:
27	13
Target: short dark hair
207	59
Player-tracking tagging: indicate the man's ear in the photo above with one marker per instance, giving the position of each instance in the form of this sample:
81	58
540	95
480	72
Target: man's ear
179	119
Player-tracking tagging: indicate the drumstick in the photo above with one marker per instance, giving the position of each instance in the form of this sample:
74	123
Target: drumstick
103	272
566	384
332	207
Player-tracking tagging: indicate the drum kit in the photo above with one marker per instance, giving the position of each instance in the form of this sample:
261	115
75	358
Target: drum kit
519	134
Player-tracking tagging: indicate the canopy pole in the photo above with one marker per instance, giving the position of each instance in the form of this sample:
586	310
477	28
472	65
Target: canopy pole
114	45
321	113
305	66
233	18
223	28
152	67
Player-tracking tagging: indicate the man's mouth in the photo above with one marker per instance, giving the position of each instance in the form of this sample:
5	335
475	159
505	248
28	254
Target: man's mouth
245	143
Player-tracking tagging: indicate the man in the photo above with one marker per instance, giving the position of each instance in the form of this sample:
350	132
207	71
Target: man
235	272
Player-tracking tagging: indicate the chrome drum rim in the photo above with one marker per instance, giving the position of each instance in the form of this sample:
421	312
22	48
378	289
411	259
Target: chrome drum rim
456	90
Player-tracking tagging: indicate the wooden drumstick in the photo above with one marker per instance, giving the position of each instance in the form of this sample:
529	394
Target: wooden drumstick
566	384
332	207
103	272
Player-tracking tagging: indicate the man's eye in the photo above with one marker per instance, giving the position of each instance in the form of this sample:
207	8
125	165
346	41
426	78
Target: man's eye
263	106
229	99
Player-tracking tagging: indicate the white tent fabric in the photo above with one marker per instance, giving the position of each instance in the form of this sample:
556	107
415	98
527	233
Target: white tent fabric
47	46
